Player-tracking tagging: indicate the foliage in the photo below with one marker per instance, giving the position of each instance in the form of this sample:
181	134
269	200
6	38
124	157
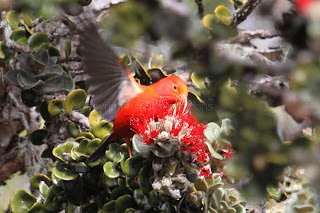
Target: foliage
190	168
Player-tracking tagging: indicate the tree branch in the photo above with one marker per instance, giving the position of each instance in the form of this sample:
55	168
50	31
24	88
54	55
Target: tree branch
200	8
243	12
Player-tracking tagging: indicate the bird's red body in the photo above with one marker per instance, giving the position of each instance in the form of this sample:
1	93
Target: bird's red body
162	94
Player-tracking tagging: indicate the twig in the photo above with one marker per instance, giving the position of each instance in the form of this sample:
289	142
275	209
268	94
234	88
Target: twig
245	36
200	8
243	12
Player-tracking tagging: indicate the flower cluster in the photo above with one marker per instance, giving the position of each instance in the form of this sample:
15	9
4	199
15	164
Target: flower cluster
177	124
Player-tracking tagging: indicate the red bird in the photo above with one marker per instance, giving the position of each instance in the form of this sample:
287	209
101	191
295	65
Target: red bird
117	95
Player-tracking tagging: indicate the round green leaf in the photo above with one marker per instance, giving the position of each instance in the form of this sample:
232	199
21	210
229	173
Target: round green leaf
93	145
27	82
59	151
53	51
20	36
198	81
110	207
113	150
22	201
119	191
37	208
94	117
101	129
124	202
13	19
132	166
58	83
88	135
38	40
76	99
12	76
140	147
37	136
73	130
27	18
222	12
55	106
209	21
86	110
52	70
41	57
63	173
111	170
36	180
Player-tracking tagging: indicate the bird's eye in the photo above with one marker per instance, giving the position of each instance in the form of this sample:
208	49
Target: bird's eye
175	87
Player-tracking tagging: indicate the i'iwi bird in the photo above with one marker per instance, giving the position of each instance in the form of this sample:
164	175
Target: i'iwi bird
115	92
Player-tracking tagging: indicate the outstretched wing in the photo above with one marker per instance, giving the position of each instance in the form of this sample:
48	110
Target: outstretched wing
111	85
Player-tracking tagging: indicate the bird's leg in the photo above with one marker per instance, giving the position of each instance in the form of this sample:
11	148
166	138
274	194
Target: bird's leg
128	143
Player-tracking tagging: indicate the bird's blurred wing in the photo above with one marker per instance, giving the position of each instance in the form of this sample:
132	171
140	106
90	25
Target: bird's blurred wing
111	85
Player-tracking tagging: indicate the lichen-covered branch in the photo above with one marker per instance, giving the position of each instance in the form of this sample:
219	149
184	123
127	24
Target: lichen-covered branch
243	12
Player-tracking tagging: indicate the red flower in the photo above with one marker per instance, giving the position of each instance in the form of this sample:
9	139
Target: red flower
303	5
223	175
228	154
205	172
203	157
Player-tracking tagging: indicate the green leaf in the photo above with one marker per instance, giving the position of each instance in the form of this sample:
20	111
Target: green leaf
156	61
110	207
125	60
93	145
63	172
113	150
111	170
19	36
124	202
38	178
27	18
58	83
37	136
22	201
222	12
132	166
52	70
119	191
53	51
76	99
12	76
73	129
3	50
44	189
140	147
94	117
209	21
13	19
44	112
101	129
212	132
55	106
37	208
213	152
61	149
67	49
38	40
41	57
28	83
198	81
86	110
140	198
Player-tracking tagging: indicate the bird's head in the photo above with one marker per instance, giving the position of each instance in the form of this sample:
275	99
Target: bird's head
172	87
